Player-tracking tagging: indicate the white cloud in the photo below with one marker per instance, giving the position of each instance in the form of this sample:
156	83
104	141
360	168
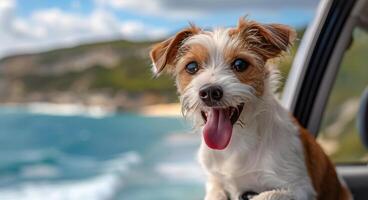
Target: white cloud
7	8
52	28
153	7
6	5
99	23
194	8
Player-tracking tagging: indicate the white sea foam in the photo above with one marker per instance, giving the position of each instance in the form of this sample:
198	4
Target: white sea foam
68	110
97	188
101	187
39	171
182	139
53	109
122	163
183	169
188	172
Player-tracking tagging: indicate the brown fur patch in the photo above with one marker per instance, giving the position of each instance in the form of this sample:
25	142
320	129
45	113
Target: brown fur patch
164	53
320	169
267	40
194	52
255	74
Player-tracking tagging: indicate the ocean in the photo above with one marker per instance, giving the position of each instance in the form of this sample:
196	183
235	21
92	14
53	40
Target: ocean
74	156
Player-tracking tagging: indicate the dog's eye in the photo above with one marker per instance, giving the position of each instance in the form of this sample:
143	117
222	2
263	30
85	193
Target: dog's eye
240	65
192	67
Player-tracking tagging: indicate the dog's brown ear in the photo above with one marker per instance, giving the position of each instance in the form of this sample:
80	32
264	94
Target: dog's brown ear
164	53
269	40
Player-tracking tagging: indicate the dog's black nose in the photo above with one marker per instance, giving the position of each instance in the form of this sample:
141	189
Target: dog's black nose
210	94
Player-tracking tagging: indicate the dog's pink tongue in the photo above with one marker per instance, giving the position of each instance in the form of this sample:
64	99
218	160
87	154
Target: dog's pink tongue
218	129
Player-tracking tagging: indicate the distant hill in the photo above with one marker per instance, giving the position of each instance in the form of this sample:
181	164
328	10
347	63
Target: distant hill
115	73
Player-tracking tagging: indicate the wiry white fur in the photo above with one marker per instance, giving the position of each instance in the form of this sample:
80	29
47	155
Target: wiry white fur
265	154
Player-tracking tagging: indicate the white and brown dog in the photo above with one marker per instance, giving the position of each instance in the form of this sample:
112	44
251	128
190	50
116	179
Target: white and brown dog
252	148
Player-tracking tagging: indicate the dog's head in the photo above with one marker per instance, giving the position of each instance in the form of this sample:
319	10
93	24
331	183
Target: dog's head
219	72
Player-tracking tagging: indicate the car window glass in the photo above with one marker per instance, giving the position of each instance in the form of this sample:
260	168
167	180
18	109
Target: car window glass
339	134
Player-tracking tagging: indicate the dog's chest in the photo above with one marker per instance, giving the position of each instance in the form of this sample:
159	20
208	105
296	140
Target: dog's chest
240	172
241	168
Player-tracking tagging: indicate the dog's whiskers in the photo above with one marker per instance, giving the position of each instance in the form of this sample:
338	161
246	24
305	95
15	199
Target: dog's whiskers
241	123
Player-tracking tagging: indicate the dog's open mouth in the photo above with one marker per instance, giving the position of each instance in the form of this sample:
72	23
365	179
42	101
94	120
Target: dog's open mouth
233	112
219	123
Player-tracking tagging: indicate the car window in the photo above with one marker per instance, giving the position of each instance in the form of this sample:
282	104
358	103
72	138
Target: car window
339	135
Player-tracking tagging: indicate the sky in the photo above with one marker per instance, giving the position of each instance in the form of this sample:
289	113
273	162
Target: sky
28	26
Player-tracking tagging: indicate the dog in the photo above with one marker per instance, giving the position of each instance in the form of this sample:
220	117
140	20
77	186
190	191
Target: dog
252	148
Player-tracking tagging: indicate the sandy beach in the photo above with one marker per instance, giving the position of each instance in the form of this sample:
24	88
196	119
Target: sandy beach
161	110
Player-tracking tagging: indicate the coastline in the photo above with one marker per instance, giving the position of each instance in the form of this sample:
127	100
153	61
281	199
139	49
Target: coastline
161	110
96	111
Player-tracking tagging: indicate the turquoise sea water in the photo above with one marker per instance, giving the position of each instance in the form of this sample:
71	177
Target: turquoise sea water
122	156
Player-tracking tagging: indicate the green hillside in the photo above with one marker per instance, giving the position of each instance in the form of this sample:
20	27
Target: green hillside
60	71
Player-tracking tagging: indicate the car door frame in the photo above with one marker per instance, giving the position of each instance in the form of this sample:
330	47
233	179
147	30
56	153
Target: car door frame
314	71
